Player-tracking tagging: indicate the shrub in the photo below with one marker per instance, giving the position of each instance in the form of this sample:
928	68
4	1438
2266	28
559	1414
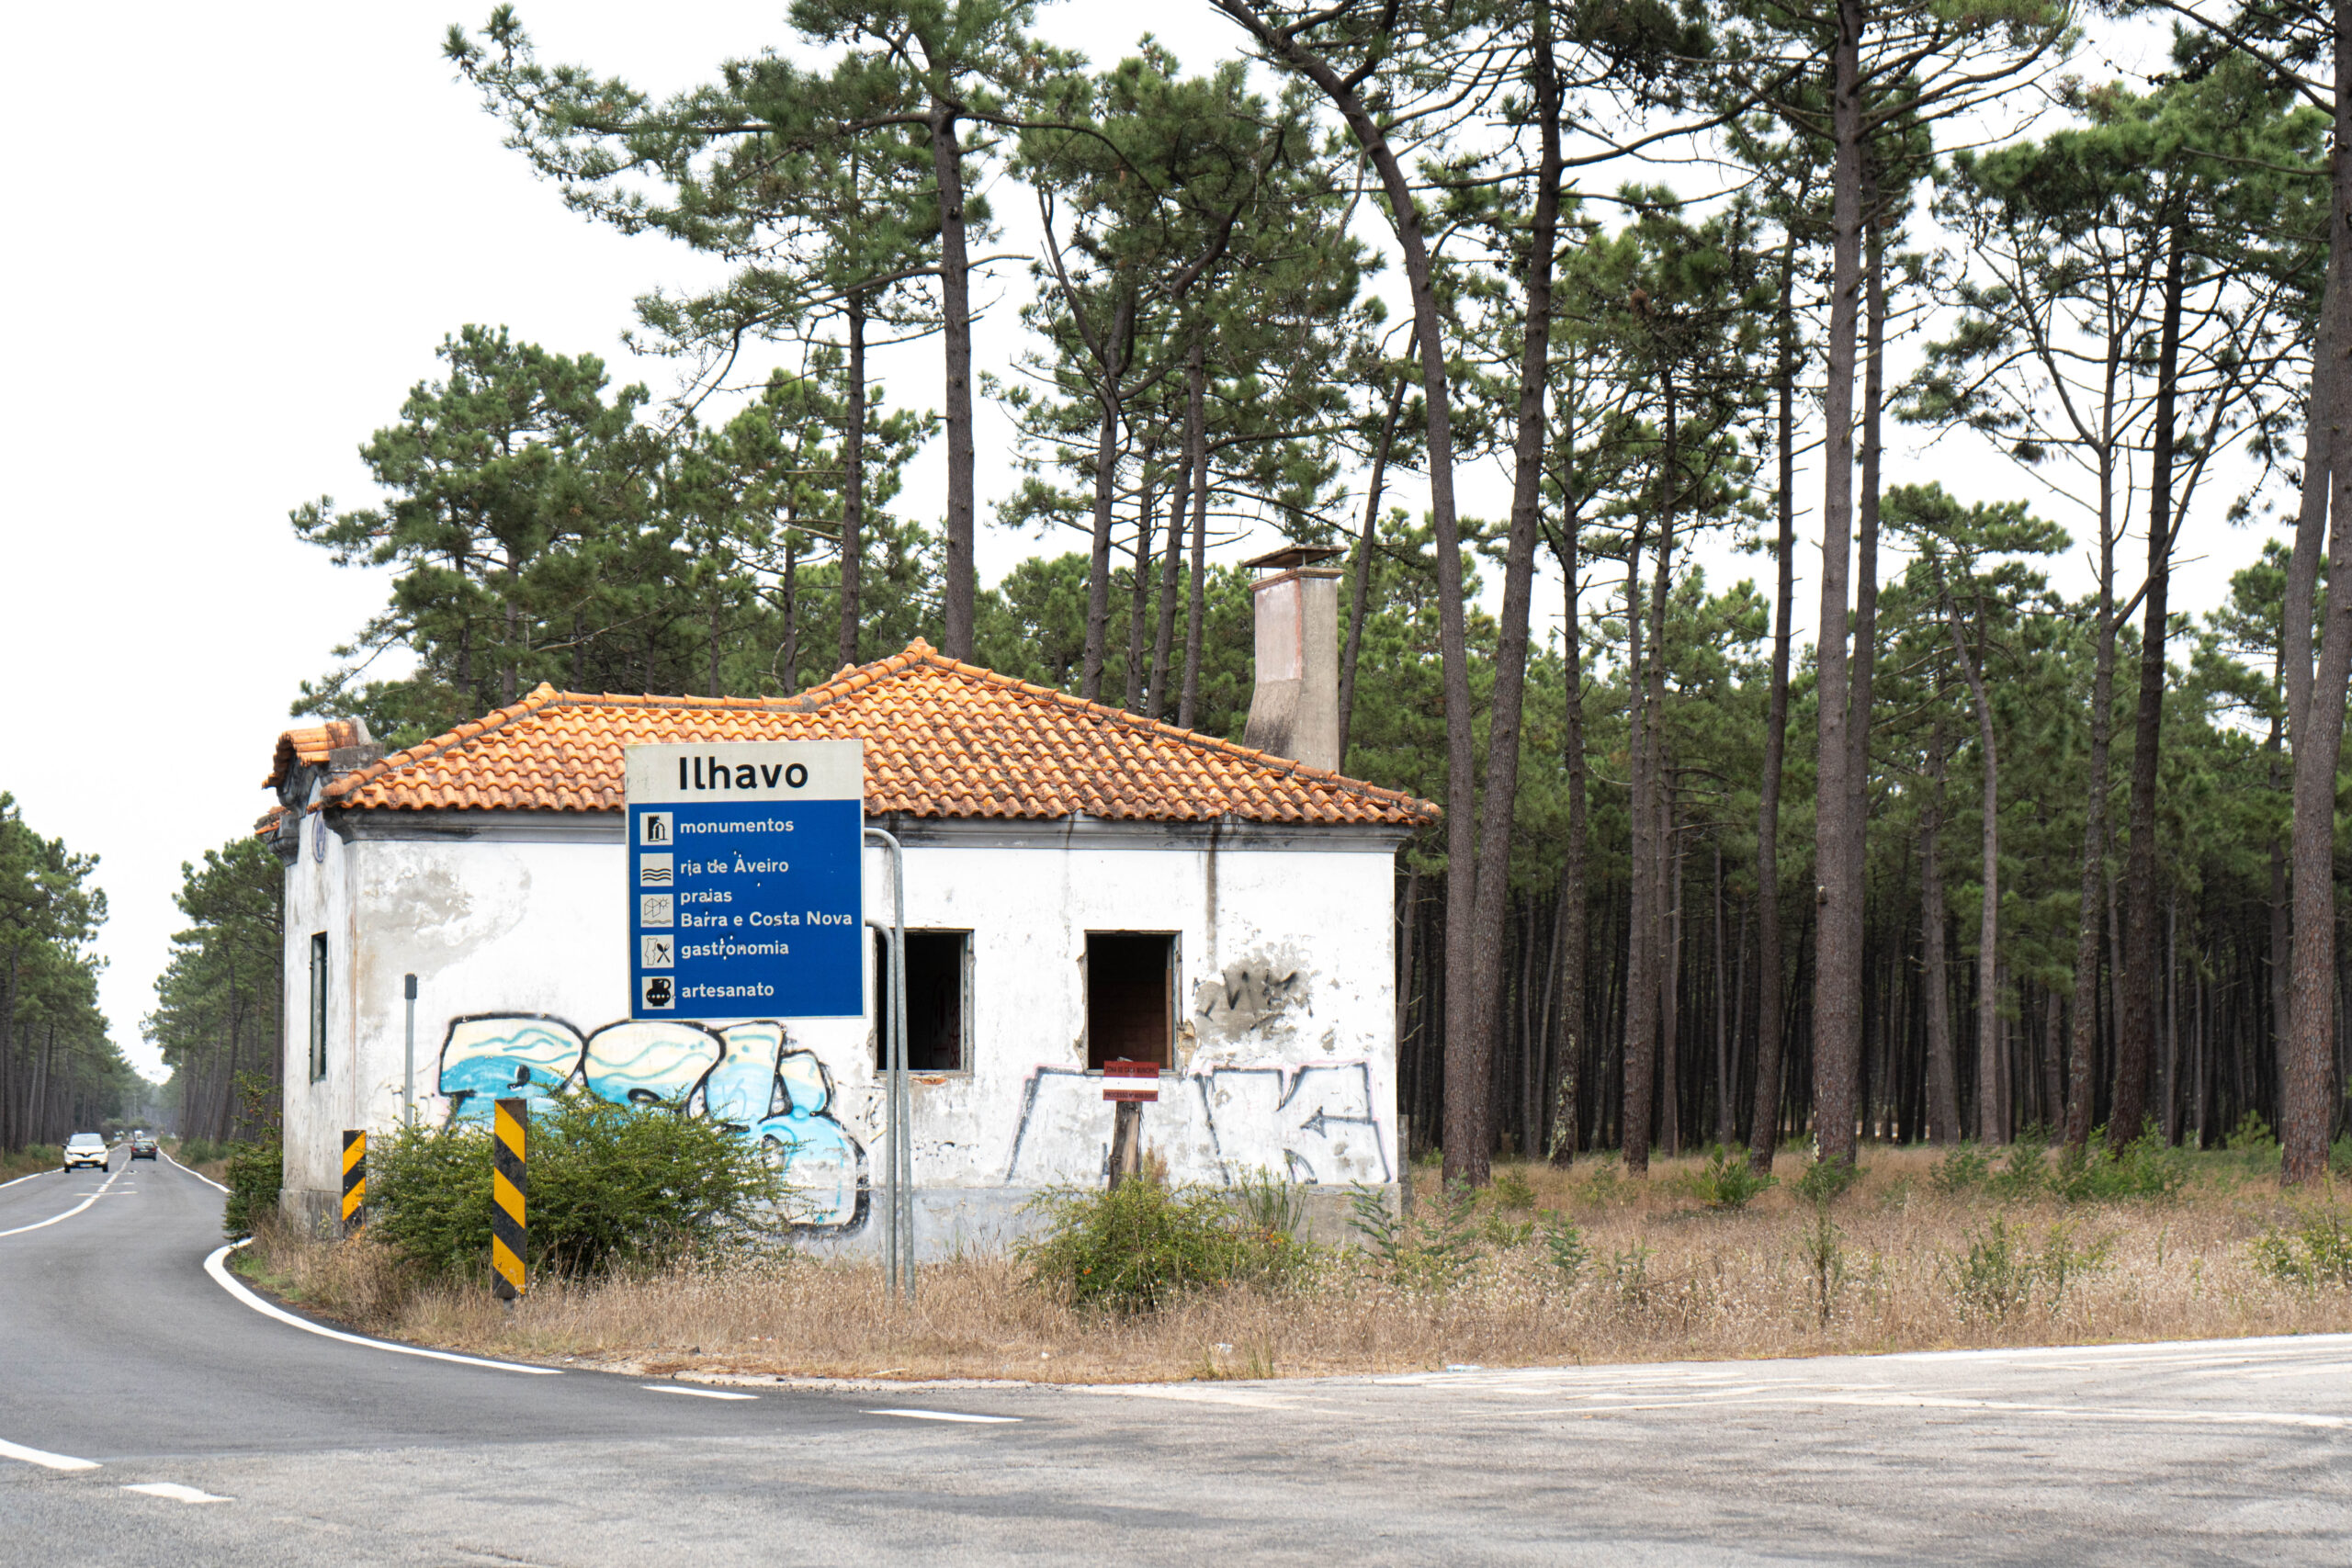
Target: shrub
2000	1275
1268	1205
1565	1245
1510	1190
2146	1167
1432	1251
2253	1143
256	1173
1726	1182
1825	1181
611	1186
2024	1175
2317	1250
1964	1169
1133	1247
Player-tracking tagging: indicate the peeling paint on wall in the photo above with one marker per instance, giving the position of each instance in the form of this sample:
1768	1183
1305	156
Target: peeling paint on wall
746	1077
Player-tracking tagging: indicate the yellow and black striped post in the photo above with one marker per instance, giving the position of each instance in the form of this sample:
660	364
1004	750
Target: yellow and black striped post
510	1190
355	1178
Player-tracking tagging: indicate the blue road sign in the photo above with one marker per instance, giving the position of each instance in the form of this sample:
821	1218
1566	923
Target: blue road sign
745	893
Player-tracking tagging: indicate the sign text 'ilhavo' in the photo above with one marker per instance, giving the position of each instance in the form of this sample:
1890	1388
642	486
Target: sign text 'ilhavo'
744	870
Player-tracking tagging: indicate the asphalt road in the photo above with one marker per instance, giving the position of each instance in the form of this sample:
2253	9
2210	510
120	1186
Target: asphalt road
148	1417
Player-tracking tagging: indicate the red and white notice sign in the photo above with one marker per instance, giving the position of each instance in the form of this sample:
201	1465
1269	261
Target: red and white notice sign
1135	1082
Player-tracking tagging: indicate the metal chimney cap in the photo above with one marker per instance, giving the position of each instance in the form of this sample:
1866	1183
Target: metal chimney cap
1290	557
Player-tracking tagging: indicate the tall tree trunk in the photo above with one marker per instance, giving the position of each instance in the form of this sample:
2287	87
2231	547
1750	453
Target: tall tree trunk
959	587
1943	1076
1139	589
1475	1057
1196	462
1669	1111
1360	597
1837	956
2315	697
1566	1096
1107	393
1723	1032
1989	1098
1171	572
853	482
2135	1038
1641	921
1765	1115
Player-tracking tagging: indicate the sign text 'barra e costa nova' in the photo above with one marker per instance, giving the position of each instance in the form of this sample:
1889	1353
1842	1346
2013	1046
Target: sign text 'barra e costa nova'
744	879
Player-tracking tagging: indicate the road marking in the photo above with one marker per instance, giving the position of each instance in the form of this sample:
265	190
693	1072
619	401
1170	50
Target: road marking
176	1493
948	1415
217	1265
44	1224
198	1174
698	1393
13	1180
43	1458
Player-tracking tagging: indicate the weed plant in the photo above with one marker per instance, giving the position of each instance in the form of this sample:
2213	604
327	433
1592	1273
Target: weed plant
1138	1246
256	1174
2314	1252
612	1187
1725	1182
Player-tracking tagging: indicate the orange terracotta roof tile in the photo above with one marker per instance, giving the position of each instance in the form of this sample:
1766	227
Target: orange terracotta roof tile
944	739
309	746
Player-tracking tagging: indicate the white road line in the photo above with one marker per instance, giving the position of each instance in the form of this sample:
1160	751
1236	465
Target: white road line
698	1393
43	1458
217	1265
198	1174
176	1493
13	1180
949	1416
44	1224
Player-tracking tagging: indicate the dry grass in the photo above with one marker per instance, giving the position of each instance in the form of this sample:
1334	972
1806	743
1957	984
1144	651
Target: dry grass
1903	1267
32	1157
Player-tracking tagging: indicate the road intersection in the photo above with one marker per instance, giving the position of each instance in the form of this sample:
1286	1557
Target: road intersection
149	1414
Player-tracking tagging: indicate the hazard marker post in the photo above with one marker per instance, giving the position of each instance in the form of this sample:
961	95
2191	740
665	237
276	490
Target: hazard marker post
1128	1086
510	1189
355	1178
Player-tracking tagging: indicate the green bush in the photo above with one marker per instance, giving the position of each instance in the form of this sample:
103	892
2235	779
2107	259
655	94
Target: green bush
1825	1181
1133	1247
2024	1175
1964	1169
610	1187
1510	1190
1726	1182
199	1151
1434	1249
2146	1167
2253	1143
2317	1250
256	1173
2000	1274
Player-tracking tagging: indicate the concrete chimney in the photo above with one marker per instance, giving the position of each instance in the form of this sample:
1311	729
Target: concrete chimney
1294	710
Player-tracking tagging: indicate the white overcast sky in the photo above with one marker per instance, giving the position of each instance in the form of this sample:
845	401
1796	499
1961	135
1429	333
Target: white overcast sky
240	236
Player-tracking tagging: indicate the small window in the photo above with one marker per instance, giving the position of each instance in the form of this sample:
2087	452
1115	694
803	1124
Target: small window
938	973
318	1006
1130	989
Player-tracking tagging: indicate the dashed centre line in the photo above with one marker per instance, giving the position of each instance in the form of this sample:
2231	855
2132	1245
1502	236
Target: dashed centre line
53	1219
43	1458
176	1493
696	1392
949	1416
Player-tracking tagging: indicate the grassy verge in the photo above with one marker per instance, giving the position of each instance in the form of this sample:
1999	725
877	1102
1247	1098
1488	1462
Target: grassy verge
207	1159
29	1160
1922	1253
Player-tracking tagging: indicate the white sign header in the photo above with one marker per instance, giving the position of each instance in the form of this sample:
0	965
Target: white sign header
717	772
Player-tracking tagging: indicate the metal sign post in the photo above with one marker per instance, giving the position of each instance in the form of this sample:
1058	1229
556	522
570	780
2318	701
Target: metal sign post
408	1057
898	1118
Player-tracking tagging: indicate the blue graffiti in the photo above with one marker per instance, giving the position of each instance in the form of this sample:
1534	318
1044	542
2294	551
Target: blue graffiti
747	1076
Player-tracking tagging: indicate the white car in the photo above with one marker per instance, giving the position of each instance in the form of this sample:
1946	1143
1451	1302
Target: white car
85	1149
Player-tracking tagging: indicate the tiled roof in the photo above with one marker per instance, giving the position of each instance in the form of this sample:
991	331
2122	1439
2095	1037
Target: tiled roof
299	746
944	739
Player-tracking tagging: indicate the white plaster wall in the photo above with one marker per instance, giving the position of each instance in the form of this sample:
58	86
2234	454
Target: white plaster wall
1287	1004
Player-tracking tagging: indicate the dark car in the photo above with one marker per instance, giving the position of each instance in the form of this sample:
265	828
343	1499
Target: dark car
143	1146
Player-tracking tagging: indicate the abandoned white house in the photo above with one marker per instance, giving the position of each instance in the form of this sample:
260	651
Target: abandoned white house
1081	885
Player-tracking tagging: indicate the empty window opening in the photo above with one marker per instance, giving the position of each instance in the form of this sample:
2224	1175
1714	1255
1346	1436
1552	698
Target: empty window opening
318	1006
937	990
1130	987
